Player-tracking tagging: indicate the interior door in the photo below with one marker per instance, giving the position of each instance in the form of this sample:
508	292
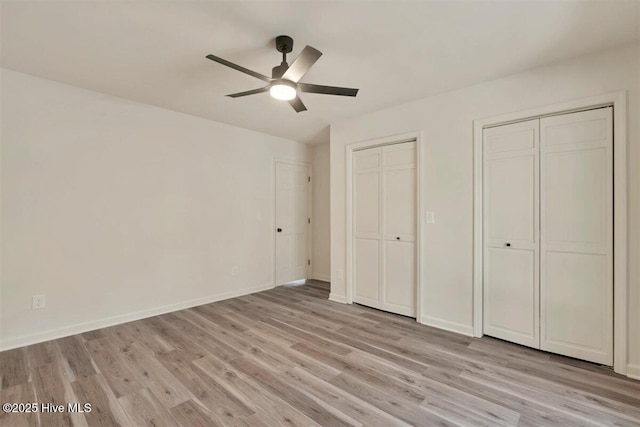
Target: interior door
367	245
577	235
292	227
398	291
511	232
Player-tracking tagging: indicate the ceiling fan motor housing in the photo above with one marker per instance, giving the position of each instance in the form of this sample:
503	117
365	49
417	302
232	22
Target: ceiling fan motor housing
277	72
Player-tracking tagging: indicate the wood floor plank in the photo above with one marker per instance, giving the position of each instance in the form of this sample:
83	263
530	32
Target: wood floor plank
13	368
105	410
583	404
346	403
190	414
75	356
272	410
439	394
164	386
140	333
214	395
289	356
302	403
19	393
390	403
40	354
49	390
113	367
143	409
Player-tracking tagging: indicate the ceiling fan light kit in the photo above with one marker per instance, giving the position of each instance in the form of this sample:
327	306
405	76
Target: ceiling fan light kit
283	90
284	82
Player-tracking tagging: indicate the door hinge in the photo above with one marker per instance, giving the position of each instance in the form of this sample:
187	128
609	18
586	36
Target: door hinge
308	179
308	220
308	262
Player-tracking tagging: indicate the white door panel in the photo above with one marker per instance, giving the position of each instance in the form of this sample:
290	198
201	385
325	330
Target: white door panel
291	217
399	293
366	210
511	295
576	199
575	305
399	204
510	198
367	271
511	291
576	282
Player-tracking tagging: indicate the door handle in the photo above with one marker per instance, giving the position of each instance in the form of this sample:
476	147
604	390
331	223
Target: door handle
507	244
279	230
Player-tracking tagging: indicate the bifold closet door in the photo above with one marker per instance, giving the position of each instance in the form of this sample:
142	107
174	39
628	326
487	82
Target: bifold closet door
576	276
367	245
548	234
399	228
510	203
384	224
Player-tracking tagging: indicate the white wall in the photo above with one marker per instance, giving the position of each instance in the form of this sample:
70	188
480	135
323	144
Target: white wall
321	250
118	210
447	188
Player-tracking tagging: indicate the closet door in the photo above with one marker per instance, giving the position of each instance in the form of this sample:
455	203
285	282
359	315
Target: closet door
399	228
367	247
511	235
577	235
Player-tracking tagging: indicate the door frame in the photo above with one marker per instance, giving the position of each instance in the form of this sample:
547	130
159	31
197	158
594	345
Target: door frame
372	143
620	282
273	211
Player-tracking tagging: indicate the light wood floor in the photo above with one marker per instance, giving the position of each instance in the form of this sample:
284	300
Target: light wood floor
288	356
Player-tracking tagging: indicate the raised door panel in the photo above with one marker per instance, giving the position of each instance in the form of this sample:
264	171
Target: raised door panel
400	204
510	294
577	235
400	278
576	210
367	272
510	197
366	207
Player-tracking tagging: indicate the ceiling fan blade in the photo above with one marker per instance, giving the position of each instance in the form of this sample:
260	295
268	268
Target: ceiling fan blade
302	63
249	92
239	68
327	90
297	104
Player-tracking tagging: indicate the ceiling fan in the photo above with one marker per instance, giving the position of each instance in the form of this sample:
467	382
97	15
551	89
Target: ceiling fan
284	82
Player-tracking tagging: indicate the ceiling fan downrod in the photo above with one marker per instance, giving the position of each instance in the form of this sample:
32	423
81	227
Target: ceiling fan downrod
284	44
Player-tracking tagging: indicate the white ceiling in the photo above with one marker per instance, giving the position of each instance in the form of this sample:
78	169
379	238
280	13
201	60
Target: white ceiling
394	51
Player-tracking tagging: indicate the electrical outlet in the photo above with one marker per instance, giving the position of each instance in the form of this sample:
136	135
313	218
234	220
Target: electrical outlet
234	270
340	274
38	302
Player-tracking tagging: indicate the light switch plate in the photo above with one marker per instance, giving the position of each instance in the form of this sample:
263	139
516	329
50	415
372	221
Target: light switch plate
430	217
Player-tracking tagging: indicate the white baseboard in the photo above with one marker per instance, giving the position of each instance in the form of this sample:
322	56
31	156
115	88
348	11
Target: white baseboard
79	328
447	325
337	298
633	371
323	277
